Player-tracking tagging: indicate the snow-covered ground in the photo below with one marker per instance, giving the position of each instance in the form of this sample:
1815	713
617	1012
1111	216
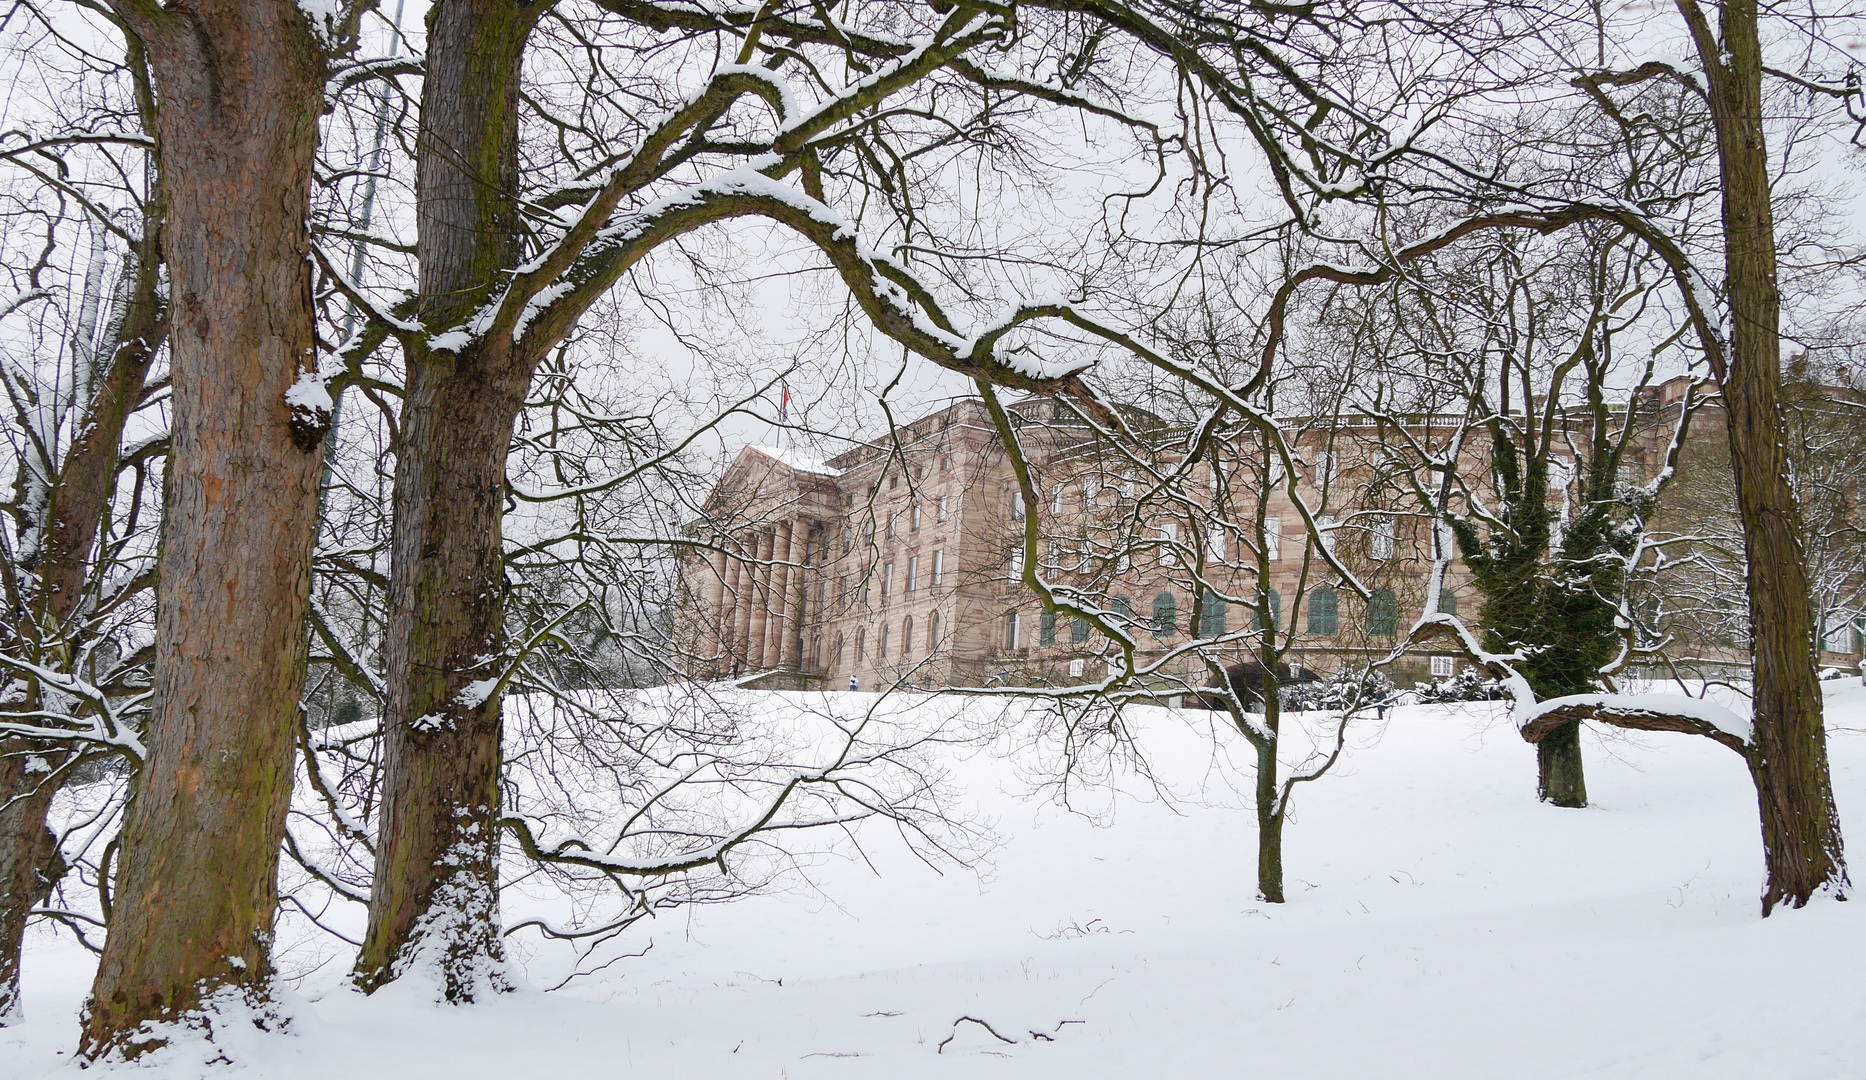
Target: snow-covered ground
1441	923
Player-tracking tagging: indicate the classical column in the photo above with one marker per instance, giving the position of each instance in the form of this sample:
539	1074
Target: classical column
731	606
777	624
718	603
801	581
762	546
747	601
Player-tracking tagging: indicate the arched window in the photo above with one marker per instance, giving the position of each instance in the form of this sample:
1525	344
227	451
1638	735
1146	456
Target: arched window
1383	613
881	645
1211	615
1324	612
838	666
1078	631
933	635
1276	611
1447	601
907	637
1123	610
1165	615
861	644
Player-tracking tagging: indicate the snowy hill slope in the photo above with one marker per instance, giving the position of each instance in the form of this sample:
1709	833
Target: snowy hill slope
1441	923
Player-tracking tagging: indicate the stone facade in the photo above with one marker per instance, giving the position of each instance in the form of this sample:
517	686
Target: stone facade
899	562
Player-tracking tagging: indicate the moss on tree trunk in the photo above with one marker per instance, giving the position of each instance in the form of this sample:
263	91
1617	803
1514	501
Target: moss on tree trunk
435	900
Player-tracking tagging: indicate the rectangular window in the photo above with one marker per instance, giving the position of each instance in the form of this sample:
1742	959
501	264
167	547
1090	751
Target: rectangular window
1017	563
1169	542
913	571
1129	485
887	580
939	566
939	512
1324	468
1091	491
890	525
1010	630
1443	667
1076	668
842	588
1215	544
822	594
1017	506
945	463
1326	526
1056	501
913	524
1046	629
1385	540
1272	539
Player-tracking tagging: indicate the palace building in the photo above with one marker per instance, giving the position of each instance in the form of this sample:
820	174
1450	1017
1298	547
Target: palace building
901	561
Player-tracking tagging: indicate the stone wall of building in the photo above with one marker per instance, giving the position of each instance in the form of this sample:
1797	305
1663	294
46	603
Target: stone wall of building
899	562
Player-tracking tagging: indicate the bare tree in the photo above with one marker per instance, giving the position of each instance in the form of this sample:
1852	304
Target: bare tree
835	130
83	330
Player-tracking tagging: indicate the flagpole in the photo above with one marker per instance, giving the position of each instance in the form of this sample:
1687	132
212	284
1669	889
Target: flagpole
783	415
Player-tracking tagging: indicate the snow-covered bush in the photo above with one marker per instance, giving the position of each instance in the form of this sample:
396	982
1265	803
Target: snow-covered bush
1468	685
1349	688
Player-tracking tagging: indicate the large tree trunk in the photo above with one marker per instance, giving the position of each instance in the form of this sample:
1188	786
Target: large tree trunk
241	87
1560	777
435	901
1800	826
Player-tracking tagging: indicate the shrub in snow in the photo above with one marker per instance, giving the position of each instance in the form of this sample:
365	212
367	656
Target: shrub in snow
1343	690
1468	685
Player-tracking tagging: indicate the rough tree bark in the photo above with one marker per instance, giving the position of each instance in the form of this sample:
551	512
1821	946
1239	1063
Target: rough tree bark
240	88
1560	776
1800	825
435	899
